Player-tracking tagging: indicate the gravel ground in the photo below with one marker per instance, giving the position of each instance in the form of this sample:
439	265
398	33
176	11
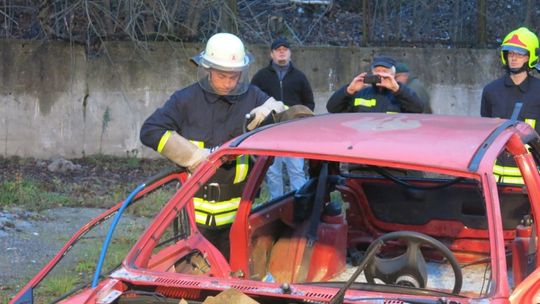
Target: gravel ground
34	239
32	232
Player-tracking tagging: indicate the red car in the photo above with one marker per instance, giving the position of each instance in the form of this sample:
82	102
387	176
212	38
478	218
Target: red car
398	208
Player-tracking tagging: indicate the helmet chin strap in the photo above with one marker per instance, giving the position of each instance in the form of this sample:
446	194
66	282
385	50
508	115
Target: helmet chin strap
523	68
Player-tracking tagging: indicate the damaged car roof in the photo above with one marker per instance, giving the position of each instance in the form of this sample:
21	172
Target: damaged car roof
448	142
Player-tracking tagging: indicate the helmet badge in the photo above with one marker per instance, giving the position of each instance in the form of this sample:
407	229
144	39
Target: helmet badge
515	40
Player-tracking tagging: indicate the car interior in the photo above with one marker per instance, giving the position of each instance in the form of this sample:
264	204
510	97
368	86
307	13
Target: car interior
388	229
433	226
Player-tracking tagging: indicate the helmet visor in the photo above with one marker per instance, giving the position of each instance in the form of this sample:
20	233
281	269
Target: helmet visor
511	48
223	83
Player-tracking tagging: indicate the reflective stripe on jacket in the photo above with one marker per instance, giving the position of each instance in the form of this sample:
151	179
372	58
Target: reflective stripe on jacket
215	206
499	98
377	100
208	120
507	174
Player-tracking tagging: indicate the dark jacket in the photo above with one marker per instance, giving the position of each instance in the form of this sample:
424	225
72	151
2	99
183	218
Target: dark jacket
210	120
201	116
418	87
498	100
500	96
294	89
372	99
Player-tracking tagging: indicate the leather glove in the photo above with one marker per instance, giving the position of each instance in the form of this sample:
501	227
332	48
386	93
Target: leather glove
183	152
262	111
293	112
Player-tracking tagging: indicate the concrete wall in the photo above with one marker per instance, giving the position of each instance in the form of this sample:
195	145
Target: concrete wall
58	100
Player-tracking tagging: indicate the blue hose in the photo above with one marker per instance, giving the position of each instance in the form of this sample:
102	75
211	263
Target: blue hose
105	246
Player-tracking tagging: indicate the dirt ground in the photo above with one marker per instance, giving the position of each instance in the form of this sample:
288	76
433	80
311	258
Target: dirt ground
31	232
86	181
34	238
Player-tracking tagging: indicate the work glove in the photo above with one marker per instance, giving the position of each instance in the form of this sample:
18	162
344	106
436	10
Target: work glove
261	112
293	112
183	152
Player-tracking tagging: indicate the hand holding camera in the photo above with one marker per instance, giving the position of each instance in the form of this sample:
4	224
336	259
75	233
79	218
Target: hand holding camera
384	80
356	84
372	78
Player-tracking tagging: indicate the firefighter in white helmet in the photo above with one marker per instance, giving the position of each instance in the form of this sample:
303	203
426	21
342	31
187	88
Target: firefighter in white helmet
204	115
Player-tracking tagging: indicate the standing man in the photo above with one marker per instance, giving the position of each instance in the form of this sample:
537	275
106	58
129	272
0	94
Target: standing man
376	92
519	55
283	81
403	75
203	116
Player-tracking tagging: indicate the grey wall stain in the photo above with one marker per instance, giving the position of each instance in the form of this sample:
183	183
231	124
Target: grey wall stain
130	85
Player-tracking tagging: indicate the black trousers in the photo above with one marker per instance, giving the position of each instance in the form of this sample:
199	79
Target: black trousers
218	237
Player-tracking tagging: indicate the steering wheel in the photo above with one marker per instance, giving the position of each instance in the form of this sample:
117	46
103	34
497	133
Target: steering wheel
409	268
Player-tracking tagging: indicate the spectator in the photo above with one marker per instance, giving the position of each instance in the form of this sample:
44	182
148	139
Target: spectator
403	75
203	116
379	93
499	97
283	81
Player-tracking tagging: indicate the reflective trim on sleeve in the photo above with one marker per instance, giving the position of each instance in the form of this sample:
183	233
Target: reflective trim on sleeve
198	143
365	102
242	167
163	140
531	122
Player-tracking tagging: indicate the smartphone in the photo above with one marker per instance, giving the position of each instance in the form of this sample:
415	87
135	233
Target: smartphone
372	78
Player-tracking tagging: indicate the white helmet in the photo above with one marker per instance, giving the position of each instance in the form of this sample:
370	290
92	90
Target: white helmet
224	52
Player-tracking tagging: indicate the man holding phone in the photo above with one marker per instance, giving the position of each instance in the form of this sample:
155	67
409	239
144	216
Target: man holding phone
377	91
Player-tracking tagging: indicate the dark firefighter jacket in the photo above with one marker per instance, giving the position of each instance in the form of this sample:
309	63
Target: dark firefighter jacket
372	99
498	100
208	120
